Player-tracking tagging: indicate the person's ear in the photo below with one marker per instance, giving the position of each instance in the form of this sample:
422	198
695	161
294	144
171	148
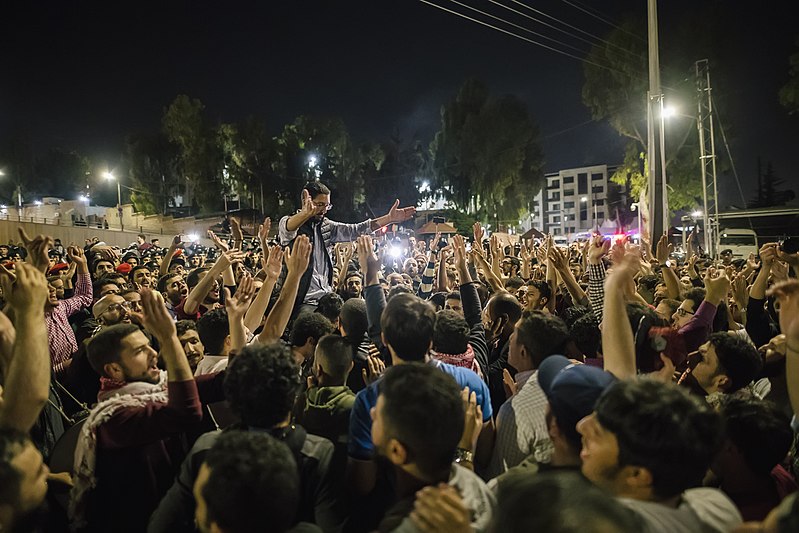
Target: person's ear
396	452
114	371
552	427
637	477
722	382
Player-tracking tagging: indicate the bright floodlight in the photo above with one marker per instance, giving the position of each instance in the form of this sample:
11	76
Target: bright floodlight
395	251
696	214
83	198
109	175
584	199
37	202
669	111
311	160
193	237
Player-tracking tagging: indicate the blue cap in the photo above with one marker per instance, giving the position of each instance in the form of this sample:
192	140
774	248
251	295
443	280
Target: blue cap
572	390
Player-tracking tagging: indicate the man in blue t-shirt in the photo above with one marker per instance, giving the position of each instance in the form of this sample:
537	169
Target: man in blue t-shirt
403	329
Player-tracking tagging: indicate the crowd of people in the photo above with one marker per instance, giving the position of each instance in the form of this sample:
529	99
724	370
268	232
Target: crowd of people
325	379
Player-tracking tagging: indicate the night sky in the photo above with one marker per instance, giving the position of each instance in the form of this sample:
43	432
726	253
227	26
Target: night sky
81	75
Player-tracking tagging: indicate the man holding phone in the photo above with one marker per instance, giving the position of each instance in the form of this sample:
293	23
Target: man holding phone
311	220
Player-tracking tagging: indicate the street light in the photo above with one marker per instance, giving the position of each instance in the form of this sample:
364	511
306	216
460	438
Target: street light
110	177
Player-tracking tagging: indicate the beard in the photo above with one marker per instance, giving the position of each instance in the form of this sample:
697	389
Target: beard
689	381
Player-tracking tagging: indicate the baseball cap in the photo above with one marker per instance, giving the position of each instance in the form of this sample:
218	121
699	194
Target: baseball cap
572	390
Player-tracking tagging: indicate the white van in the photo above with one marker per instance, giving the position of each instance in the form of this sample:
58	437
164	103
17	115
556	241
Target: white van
741	241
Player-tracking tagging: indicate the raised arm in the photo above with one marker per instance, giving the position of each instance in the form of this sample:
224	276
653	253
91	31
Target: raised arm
597	249
272	263
662	252
27	377
155	319
38	249
395	215
163	268
297	263
559	261
200	291
480	262
618	345
236	307
768	253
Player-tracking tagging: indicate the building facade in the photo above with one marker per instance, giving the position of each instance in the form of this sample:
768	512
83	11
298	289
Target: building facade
576	200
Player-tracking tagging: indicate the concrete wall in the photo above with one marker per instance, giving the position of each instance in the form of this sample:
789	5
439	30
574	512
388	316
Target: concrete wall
78	235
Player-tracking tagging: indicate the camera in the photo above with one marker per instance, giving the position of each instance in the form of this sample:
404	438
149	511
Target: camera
790	245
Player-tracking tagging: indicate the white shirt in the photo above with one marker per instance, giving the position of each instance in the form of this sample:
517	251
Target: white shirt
210	364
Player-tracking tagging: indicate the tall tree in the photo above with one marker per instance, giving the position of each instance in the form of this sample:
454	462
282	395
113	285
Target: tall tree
615	89
153	165
487	157
789	93
769	191
200	153
61	173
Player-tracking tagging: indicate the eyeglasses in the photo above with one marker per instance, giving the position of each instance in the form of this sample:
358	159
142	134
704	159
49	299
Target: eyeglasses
683	312
321	205
117	307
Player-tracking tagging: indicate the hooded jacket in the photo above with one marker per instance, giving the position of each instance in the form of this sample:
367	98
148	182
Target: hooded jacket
325	411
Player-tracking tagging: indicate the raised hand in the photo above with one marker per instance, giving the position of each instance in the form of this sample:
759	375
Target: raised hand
440	510
177	239
154	316
779	270
459	249
263	233
434	242
558	259
740	291
717	285
473	423
26	289
308	210
768	253
478	233
399	214
237	305
235	230
597	249
370	264
297	258
509	384
374	366
38	249
663	249
624	270
219	243
752	263
273	263
77	256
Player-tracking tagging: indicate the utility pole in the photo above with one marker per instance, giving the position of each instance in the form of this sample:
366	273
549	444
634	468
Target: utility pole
655	153
707	158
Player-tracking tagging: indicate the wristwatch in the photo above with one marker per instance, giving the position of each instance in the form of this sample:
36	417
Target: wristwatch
463	456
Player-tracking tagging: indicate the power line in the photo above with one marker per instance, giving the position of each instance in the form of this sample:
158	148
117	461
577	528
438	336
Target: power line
593	13
517	26
567	54
570	26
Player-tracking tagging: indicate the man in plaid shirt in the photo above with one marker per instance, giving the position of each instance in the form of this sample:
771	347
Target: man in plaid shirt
59	332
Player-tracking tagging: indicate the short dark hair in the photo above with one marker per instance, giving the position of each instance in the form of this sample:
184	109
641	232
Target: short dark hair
661	428
313	325
696	295
573	313
315	188
337	354
586	335
353	318
514	283
185	325
649	282
251	474
213	327
454	295
543	334
397	290
261	383
137	267
407	323
543	288
98	284
451	333
329	306
11	443
559	502
142	236
738	360
423	410
105	347
194	276
760	431
504	303
163	281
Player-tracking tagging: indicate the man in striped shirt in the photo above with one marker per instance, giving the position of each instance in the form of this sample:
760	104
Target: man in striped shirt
61	337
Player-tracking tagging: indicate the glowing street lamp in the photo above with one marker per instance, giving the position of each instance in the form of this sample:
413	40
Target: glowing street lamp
110	177
669	111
